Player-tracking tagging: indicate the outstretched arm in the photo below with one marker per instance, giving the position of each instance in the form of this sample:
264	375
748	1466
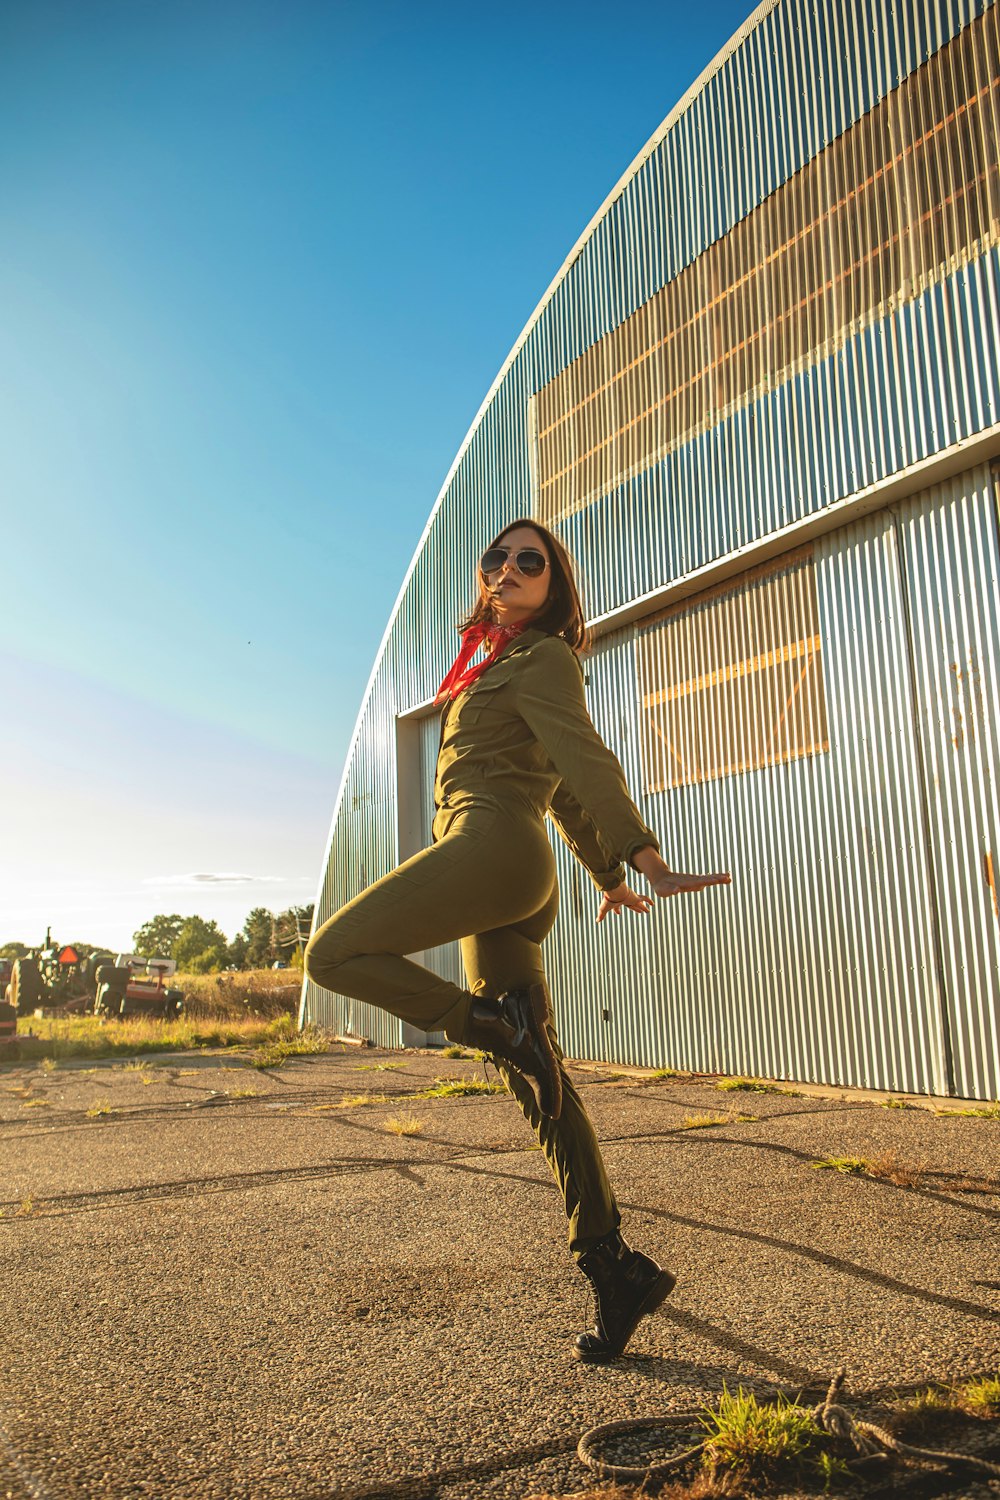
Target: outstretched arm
665	883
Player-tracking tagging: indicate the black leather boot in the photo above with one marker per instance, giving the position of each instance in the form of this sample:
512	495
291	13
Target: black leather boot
512	1029
627	1285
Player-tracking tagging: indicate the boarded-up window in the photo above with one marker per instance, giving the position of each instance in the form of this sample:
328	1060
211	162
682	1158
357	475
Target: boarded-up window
905	196
734	680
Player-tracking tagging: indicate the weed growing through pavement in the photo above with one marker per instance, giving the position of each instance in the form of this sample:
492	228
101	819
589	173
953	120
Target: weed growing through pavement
100	1108
897	1104
984	1112
403	1124
702	1122
889	1168
754	1086
24	1209
37	1104
457	1052
382	1067
925	1411
664	1073
285	1042
49	1065
352	1101
885	1168
938	1406
244	1094
980	1397
457	1088
756	1440
851	1166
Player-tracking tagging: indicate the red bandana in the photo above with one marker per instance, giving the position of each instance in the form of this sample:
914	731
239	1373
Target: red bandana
493	638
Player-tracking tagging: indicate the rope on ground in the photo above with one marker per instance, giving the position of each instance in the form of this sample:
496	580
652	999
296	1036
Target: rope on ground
649	1473
867	1439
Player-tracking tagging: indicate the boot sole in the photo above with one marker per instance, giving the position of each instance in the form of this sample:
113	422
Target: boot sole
657	1294
536	995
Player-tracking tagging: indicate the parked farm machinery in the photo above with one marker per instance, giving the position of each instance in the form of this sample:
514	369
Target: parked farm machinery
62	980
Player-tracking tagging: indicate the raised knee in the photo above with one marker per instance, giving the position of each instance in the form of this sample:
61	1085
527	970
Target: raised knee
323	956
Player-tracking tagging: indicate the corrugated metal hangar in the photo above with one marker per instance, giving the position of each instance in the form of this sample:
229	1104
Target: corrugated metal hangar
759	404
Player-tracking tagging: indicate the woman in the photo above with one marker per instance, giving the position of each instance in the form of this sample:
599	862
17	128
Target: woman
517	743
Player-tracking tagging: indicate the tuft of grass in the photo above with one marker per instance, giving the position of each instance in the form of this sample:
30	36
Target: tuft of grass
925	1411
49	1064
832	1470
983	1112
664	1073
896	1104
889	1168
756	1440
851	1166
981	1398
702	1122
382	1067
457	1088
403	1124
885	1168
238	1093
353	1101
37	1104
283	1041
102	1107
754	1086
455	1051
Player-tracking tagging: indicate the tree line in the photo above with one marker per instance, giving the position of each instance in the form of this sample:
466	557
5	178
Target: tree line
201	947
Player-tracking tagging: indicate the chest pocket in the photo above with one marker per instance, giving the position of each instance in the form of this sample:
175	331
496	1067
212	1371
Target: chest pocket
483	698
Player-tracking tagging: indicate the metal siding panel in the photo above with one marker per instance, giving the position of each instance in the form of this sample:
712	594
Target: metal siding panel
950	537
921	380
821	988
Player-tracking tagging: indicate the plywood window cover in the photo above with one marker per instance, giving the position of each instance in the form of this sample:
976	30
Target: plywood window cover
737	322
687	738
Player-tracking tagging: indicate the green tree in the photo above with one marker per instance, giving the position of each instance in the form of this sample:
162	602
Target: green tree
195	938
210	961
257	930
156	938
236	955
14	950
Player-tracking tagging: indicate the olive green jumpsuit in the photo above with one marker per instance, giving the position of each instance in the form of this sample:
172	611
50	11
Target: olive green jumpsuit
516	744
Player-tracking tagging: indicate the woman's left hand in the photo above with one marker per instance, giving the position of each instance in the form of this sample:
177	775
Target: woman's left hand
619	896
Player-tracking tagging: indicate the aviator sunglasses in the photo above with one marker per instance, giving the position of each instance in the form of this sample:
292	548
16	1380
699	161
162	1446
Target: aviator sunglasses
528	561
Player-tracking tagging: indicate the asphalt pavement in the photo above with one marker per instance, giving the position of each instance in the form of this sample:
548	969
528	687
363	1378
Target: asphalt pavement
220	1282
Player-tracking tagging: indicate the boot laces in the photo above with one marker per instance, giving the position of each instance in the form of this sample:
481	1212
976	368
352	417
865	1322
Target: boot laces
510	1014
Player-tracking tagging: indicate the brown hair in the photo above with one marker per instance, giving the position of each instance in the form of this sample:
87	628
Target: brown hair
562	613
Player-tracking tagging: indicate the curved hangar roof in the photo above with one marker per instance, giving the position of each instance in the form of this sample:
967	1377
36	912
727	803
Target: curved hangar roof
788	299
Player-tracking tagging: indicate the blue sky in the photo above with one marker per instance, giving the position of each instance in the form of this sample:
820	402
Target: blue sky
260	264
